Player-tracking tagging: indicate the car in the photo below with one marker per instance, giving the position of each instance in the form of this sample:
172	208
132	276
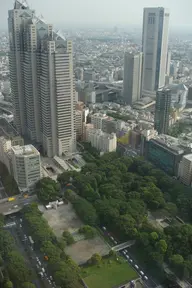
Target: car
116	242
141	272
112	238
49	281
124	253
21	220
20	226
104	228
137	267
51	278
146	278
131	260
127	256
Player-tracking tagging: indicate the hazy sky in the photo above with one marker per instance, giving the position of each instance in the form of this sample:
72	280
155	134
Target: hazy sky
102	12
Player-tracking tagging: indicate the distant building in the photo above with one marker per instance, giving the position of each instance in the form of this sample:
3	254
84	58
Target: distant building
185	169
162	110
165	153
179	93
132	77
103	142
168	63
154	48
79	123
190	95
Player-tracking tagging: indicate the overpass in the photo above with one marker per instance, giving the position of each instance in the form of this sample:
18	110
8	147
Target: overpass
123	245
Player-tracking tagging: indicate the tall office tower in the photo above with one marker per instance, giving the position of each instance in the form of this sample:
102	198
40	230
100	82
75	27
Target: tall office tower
162	110
132	77
154	46
42	81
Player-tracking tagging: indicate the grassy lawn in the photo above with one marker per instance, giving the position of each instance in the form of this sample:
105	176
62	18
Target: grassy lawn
108	274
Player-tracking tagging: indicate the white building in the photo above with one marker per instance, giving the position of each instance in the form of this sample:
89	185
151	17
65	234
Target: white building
155	48
185	169
97	120
42	81
132	77
23	163
26	167
101	141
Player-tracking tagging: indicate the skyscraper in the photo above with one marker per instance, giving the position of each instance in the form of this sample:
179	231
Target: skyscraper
132	77
162	110
42	81
154	46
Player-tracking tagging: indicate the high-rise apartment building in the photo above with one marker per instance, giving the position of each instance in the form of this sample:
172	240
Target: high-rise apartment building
132	77
162	110
42	81
154	47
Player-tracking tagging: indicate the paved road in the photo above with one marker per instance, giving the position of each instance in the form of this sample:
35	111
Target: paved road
24	251
27	250
7	208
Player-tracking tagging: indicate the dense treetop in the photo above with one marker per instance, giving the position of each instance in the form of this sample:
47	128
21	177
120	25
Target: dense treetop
118	192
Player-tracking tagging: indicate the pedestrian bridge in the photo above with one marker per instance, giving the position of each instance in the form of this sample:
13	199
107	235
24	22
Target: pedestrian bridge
123	245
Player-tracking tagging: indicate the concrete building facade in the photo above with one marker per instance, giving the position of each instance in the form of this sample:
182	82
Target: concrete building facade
154	48
26	167
102	141
22	162
162	110
42	81
185	169
132	80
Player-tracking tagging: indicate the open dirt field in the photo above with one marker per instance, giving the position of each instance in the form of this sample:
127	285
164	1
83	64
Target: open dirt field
81	251
64	218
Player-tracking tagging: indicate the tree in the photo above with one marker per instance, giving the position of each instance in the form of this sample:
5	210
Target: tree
51	251
176	260
68	238
8	284
171	208
47	190
17	268
96	259
85	211
88	231
2	218
28	285
161	246
6	243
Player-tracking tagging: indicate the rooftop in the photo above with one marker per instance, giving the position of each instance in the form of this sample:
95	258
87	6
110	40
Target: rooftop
26	150
174	144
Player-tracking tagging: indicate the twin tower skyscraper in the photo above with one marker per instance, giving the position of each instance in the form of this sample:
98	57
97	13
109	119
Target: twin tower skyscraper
144	73
42	82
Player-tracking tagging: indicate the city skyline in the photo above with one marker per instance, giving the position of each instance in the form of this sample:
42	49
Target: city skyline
84	12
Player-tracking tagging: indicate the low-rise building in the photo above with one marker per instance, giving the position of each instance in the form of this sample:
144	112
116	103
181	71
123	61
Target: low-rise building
102	141
166	153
